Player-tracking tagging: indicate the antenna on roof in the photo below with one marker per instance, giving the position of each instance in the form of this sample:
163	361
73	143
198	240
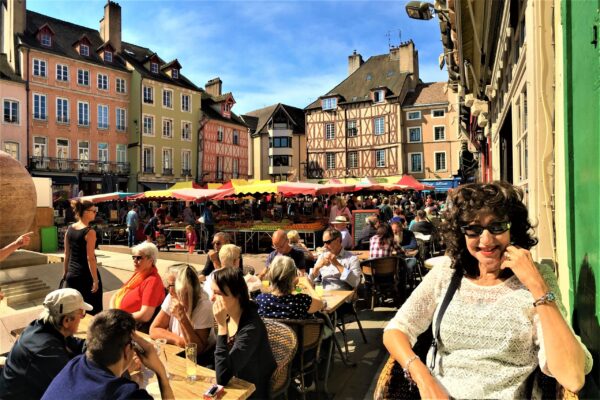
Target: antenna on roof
389	37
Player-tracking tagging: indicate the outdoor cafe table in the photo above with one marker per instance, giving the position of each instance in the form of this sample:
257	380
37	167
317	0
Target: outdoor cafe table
182	389
251	237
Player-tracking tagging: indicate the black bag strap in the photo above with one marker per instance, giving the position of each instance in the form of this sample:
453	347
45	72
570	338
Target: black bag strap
454	284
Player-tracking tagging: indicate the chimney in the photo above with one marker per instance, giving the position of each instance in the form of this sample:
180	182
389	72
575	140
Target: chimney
214	86
408	57
354	62
110	25
13	23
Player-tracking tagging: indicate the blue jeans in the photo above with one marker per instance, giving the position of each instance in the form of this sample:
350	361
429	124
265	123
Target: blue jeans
131	236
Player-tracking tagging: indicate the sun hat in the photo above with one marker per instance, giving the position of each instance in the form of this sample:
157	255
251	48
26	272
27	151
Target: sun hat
340	219
65	301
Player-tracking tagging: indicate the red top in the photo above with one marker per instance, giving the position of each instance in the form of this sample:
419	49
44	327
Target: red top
191	238
151	292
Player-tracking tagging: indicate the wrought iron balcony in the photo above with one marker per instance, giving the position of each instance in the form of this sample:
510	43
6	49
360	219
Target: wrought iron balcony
54	164
148	170
167	171
186	172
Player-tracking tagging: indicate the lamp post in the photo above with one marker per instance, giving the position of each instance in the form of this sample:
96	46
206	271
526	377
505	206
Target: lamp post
423	10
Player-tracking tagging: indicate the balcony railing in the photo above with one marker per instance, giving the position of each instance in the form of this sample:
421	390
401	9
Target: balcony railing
186	172
148	170
52	164
167	171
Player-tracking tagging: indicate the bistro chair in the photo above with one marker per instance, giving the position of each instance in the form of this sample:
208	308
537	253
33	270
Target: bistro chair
382	280
349	310
283	343
310	334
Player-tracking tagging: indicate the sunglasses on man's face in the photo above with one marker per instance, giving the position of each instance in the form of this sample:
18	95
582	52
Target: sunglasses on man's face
495	228
328	241
216	243
137	258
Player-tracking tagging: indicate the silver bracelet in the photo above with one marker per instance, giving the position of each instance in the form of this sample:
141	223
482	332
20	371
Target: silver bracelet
407	375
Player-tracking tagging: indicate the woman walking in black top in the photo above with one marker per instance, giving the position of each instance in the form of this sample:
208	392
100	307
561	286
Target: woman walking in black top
80	268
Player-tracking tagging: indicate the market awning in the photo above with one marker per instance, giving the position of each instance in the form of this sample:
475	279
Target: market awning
200	194
100	198
442	185
413	184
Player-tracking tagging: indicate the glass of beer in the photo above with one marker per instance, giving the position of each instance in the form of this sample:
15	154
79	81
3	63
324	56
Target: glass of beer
319	290
191	351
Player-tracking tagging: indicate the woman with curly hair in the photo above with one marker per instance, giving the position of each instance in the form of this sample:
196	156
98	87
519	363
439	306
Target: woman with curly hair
505	319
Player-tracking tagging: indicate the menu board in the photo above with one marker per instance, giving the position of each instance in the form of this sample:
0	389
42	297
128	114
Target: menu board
359	221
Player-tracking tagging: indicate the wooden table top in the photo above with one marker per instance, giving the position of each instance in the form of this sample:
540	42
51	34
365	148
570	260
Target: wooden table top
335	298
205	377
361	254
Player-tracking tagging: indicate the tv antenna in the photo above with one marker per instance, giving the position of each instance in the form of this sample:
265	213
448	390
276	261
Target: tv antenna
389	36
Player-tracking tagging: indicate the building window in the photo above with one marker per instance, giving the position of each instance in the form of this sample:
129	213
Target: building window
83	113
148	160
121	119
121	88
102	82
438	113
439	133
39	106
329	103
329	131
12	148
148	95
62	110
415	162
102	117
103	152
378	96
167	128
185	102
380	158
121	153
108	56
167	156
521	148
46	40
236	136
413	115
330	161
186	162
62	148
186	130
379	123
175	74
11	112
154	68
236	168
40	146
414	134
351	129
219	168
280	142
83	151
220	134
39	68
353	159
280	161
83	77
84	50
62	72
440	161
148	127
168	98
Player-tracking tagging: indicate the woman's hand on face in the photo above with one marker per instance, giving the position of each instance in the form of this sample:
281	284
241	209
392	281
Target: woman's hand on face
519	260
177	309
219	311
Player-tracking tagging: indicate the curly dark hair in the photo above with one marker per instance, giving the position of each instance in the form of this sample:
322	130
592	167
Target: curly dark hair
469	201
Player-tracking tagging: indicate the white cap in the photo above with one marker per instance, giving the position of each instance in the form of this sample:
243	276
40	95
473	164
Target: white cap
64	301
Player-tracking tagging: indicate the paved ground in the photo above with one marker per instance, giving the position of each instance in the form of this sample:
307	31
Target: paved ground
116	267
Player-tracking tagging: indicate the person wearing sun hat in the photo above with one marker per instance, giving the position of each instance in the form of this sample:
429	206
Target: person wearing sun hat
340	223
44	347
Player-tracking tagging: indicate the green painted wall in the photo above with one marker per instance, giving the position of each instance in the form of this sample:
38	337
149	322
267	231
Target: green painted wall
582	146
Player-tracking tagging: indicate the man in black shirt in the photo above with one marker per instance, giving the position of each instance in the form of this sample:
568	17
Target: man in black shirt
212	259
422	224
44	347
282	247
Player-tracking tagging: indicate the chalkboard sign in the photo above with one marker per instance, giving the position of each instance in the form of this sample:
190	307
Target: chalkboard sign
359	221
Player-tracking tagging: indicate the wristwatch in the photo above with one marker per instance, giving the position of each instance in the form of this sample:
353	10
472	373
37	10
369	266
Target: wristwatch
549	297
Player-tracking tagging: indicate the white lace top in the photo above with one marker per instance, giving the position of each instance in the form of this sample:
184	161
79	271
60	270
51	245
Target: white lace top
491	337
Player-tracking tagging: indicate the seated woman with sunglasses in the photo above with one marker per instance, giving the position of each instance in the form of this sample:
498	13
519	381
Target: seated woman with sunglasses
505	319
144	291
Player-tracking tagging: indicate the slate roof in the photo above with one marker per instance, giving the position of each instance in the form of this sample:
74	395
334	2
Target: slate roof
261	117
377	71
137	56
66	34
6	71
426	93
208	101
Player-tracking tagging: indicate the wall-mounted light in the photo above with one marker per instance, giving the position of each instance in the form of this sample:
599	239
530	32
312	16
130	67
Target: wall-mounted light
424	10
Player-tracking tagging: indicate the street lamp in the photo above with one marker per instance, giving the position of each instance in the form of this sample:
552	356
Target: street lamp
423	10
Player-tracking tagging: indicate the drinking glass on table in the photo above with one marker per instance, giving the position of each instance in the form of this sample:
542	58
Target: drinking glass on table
191	351
160	345
319	289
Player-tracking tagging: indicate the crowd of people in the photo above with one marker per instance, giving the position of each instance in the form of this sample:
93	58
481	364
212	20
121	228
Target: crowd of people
504	318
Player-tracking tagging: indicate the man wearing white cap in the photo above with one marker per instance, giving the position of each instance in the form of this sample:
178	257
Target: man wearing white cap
44	347
340	223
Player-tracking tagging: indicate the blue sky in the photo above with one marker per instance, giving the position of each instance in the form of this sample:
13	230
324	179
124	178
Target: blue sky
265	52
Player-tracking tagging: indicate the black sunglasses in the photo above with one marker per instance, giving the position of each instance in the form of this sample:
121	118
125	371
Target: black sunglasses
328	241
138	258
495	228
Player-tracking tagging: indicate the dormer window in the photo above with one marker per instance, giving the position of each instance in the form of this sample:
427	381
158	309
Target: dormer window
108	56
46	39
378	96
175	74
154	68
329	103
84	50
